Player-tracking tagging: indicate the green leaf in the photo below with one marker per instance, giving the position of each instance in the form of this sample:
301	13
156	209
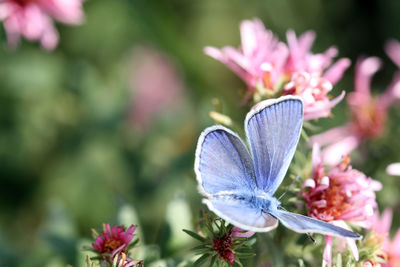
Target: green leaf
304	135
203	246
237	261
213	258
245	254
201	260
339	260
194	235
134	243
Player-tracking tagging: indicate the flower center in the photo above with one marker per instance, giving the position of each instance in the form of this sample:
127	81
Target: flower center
112	244
369	119
335	200
223	247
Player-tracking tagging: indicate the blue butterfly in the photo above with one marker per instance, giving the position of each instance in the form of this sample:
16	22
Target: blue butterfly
239	186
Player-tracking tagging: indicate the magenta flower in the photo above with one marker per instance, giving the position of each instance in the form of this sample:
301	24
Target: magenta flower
368	114
33	19
113	241
340	195
223	246
271	68
393	169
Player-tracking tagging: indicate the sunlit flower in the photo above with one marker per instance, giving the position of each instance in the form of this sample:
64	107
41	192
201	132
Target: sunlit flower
261	59
340	195
393	169
368	114
33	19
113	241
271	68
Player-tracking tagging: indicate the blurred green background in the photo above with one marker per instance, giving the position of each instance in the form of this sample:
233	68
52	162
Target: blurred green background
82	143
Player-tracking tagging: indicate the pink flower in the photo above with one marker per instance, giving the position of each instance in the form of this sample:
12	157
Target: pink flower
156	86
33	19
239	232
271	68
368	114
113	241
312	76
381	226
393	169
260	60
340	195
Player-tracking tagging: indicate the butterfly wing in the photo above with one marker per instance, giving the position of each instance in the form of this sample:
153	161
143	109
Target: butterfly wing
303	224
241	214
223	164
273	129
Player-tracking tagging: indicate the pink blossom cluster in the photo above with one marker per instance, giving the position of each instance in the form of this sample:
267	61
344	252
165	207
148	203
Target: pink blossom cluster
33	19
368	112
340	195
271	68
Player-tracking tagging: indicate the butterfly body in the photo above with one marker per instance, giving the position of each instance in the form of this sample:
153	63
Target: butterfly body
239	184
258	200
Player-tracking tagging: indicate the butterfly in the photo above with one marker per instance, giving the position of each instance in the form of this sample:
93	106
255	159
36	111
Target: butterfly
239	186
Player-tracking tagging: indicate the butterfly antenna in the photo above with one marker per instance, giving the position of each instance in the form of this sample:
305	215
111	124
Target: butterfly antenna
287	189
312	238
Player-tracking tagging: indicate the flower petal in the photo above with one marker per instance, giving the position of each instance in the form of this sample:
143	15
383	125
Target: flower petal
393	169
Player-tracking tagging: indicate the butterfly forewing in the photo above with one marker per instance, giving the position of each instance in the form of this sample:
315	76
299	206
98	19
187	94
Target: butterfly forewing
223	163
273	129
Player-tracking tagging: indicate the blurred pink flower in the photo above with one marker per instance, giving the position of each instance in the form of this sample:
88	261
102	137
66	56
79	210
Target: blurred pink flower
33	19
113	241
381	226
155	84
273	68
392	49
368	114
340	195
393	169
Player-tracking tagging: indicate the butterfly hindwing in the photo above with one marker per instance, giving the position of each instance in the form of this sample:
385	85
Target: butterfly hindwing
273	129
303	224
241	214
223	163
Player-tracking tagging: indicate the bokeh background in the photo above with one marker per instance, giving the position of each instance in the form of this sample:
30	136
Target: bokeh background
103	129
